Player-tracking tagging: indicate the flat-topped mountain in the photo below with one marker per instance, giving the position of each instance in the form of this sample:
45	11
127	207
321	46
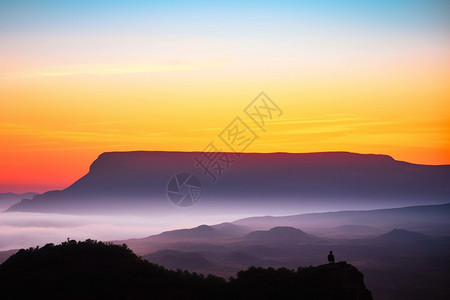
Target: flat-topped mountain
137	182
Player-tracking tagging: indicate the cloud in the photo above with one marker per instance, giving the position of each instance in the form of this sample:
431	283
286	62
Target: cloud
23	230
55	139
118	69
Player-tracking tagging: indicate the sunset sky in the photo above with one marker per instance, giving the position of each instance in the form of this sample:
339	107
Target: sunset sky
78	78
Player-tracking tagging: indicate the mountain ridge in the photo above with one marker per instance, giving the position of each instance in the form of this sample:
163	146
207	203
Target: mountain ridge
386	217
9	199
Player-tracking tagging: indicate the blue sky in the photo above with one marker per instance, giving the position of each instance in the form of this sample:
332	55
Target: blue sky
202	16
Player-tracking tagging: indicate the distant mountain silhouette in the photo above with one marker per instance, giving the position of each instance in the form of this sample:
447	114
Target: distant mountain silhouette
230	229
432	218
200	232
402	235
95	270
8	199
382	253
279	235
124	182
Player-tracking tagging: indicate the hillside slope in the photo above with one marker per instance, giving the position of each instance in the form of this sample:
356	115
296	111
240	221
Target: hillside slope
94	270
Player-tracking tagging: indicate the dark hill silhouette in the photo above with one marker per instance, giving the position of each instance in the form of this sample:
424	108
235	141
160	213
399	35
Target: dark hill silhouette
125	182
4	255
337	281
95	270
280	234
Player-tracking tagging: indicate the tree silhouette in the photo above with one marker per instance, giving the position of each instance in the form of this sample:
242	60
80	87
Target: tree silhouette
97	270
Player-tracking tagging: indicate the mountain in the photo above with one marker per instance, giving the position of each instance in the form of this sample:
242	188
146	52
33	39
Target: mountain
256	183
200	232
280	235
95	270
402	235
230	229
8	199
398	256
384	254
425	218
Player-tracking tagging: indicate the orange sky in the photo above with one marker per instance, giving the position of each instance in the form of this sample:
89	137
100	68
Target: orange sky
67	96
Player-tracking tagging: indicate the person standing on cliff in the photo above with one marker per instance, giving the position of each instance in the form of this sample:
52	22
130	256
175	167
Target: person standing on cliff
331	258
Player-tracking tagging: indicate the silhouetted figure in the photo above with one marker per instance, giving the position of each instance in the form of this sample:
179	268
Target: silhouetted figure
331	258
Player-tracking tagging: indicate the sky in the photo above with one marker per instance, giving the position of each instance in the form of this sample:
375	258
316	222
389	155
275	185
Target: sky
79	78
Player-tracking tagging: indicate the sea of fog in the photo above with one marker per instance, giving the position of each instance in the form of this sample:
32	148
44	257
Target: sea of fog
23	230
